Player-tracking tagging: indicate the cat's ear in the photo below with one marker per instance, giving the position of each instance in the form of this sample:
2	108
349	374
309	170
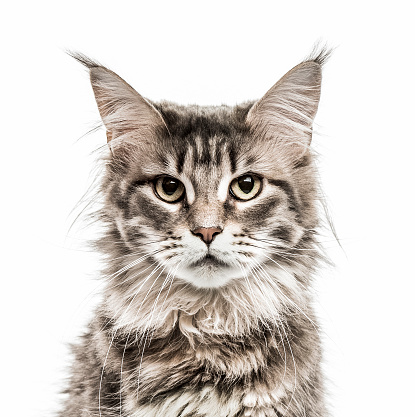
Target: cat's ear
286	112
125	112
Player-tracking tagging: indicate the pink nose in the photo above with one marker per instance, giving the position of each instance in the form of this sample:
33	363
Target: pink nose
207	234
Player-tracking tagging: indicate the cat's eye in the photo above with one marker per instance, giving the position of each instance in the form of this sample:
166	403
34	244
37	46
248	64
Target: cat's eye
246	187
169	189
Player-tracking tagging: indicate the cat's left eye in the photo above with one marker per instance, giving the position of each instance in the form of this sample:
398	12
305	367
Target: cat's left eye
246	187
169	189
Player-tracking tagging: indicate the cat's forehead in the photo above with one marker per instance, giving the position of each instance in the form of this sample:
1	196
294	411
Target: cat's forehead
205	177
204	142
205	155
203	120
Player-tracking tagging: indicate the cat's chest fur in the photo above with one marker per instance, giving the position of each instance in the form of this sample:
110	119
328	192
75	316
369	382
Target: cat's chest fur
210	376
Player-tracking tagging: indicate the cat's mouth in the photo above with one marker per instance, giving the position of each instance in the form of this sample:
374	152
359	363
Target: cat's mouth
209	260
209	271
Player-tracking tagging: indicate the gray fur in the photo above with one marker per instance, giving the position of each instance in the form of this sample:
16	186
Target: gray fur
188	329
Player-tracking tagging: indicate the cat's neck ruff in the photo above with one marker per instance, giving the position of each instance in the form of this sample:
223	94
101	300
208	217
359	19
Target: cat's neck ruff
243	306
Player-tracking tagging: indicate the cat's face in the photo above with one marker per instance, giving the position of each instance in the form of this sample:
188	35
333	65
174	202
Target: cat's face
211	203
210	193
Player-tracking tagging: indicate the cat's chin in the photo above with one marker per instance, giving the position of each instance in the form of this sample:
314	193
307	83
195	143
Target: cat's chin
209	272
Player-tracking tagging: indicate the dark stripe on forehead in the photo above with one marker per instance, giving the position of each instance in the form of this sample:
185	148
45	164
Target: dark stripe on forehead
286	187
208	153
218	153
232	157
205	156
181	155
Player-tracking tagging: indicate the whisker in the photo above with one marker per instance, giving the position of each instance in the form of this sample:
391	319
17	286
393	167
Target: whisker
277	245
286	297
146	334
250	289
295	371
133	263
122	308
278	325
137	313
168	291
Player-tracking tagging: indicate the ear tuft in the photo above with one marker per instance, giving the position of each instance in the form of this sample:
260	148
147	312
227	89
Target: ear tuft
84	60
320	54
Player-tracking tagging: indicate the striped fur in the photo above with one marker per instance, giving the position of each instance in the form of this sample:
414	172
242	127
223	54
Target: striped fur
189	329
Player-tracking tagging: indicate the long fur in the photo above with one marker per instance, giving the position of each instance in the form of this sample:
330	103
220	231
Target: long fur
189	329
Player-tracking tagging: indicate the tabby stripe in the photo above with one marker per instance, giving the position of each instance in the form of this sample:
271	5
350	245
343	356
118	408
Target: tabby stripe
232	158
180	161
286	187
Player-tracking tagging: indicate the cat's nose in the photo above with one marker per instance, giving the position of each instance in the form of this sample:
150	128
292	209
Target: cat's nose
207	234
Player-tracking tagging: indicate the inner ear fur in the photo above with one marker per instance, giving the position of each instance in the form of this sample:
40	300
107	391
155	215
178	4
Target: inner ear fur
123	110
286	112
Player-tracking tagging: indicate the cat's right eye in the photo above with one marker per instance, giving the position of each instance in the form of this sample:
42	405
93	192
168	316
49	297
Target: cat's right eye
169	189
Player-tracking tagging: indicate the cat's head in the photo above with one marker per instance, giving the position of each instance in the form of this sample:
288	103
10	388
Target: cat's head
210	194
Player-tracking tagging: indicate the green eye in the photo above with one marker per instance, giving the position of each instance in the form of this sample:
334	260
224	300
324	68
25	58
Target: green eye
245	187
169	189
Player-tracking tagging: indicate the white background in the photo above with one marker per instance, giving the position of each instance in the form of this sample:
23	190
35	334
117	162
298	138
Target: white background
210	53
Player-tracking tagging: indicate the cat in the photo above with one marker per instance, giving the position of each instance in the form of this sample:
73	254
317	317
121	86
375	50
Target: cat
210	242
